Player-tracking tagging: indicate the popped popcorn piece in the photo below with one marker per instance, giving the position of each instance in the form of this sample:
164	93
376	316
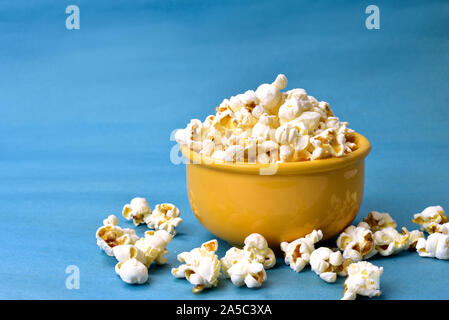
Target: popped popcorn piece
125	252
363	279
138	210
132	271
297	126
435	246
257	248
443	228
378	221
241	269
357	243
430	218
165	216
328	264
153	246
201	266
110	235
413	237
297	253
389	241
111	219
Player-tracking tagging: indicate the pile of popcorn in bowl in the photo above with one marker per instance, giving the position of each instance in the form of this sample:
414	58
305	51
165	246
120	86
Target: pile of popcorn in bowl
246	266
267	126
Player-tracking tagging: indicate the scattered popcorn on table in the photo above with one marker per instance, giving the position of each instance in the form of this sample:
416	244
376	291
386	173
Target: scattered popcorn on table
363	279
257	247
268	125
153	246
357	243
328	264
435	246
389	241
297	253
241	269
132	271
110	235
138	209
201	266
164	217
378	221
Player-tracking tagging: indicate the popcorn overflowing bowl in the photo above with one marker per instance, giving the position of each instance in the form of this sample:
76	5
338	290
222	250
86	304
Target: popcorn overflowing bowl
281	201
278	163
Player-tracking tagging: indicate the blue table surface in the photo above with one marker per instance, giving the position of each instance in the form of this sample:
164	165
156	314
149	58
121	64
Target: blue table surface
86	117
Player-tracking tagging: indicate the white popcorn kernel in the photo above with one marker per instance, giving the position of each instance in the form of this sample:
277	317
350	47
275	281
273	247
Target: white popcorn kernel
435	246
153	246
165	216
112	220
363	279
378	221
286	134
132	271
286	152
201	266
125	252
310	120
257	247
430	218
109	236
443	228
327	264
297	253
138	210
389	241
241	269
357	243
191	135
269	95
234	153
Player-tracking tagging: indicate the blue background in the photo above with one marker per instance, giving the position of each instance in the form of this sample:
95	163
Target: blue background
86	117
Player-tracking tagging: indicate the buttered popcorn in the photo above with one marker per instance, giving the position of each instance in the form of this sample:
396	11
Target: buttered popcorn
165	216
297	253
357	243
247	265
268	126
432	219
389	241
137	210
200	267
363	279
111	235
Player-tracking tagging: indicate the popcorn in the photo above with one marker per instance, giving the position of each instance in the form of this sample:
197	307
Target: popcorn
357	243
125	252
413	237
201	266
257	248
284	126
363	279
431	218
238	266
153	246
138	210
164	217
110	235
378	221
132	271
435	246
298	252
112	220
328	264
389	241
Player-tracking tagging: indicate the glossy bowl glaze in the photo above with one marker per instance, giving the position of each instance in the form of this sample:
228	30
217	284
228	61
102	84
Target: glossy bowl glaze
282	202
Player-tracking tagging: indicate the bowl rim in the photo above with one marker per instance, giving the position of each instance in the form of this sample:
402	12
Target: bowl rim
329	164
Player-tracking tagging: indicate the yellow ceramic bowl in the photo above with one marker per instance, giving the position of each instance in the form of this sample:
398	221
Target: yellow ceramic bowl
233	200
